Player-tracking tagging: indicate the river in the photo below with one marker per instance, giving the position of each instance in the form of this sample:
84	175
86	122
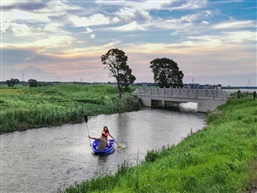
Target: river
45	159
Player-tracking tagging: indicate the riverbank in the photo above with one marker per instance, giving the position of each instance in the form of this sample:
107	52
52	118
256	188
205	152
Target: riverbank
24	107
220	158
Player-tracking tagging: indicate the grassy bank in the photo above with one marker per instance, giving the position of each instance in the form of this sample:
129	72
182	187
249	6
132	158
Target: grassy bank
220	158
24	107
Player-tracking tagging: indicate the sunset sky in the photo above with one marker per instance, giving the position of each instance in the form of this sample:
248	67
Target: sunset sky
212	41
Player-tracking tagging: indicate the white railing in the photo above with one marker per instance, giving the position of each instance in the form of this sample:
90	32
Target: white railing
213	94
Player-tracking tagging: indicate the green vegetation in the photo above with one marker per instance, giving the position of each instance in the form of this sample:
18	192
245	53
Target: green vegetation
12	82
115	61
33	107
220	158
166	73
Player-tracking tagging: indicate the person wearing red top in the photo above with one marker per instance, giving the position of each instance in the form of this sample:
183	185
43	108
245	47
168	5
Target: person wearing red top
105	132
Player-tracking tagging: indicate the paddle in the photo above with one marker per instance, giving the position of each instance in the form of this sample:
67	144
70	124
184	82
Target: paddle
115	141
86	120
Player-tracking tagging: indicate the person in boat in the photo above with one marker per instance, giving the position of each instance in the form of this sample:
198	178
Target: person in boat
106	132
102	142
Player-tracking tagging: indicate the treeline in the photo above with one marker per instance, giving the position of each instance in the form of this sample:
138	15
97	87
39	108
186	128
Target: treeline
15	81
51	83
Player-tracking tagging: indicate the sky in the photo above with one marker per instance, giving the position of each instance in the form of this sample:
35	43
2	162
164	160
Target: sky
212	41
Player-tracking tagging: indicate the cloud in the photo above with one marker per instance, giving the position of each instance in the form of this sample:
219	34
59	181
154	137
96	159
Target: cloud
20	29
65	36
22	16
91	51
186	24
188	4
92	36
43	44
235	25
205	22
53	28
126	13
155	5
59	7
89	30
239	37
26	6
50	13
93	20
133	26
129	13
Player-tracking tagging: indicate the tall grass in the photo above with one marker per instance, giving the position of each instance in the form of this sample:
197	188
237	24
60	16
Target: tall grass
24	107
220	158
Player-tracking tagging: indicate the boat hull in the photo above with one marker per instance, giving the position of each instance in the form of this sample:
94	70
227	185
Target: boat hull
108	150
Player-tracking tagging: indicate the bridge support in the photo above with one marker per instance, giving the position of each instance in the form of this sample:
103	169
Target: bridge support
206	99
208	105
147	101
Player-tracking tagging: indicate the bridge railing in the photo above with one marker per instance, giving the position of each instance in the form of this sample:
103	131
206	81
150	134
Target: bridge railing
213	94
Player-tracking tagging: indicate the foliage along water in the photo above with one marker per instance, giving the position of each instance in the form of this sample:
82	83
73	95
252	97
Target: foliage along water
24	107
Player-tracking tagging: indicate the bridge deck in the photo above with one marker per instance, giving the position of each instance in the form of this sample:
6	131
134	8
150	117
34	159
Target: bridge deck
207	99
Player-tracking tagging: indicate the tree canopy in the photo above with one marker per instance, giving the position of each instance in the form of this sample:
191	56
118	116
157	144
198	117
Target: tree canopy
32	83
115	61
12	82
166	73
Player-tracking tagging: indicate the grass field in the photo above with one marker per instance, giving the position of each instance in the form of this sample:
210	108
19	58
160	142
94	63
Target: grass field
24	107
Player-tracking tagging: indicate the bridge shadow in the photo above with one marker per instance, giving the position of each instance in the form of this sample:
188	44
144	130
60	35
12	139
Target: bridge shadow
178	107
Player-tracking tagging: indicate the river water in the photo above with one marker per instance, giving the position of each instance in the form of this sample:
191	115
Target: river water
45	159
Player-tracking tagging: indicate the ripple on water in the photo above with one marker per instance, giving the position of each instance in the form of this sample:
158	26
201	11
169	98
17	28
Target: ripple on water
43	160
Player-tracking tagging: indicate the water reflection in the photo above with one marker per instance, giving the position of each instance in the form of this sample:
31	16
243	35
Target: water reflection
102	163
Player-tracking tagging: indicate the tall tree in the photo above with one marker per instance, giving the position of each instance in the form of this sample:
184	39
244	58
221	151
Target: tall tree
32	83
115	61
166	73
12	82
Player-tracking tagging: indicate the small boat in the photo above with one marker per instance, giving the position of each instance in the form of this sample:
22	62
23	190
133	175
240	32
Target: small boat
109	149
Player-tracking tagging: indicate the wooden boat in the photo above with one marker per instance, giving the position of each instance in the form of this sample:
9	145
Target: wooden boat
109	149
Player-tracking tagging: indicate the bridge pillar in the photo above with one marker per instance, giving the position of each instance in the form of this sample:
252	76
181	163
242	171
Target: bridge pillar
146	101
208	105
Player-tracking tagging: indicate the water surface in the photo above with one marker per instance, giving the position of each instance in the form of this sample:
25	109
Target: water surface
43	160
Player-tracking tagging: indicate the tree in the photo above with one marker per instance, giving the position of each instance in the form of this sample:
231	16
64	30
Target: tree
166	73
116	62
12	82
32	83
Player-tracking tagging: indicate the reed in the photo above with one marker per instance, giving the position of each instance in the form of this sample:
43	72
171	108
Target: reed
220	158
24	107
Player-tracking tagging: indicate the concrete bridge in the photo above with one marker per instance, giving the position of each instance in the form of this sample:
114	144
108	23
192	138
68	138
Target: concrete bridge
206	99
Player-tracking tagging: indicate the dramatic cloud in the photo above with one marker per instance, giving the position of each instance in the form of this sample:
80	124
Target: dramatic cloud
66	38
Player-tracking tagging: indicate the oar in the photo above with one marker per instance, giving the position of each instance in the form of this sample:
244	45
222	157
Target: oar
115	141
86	120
